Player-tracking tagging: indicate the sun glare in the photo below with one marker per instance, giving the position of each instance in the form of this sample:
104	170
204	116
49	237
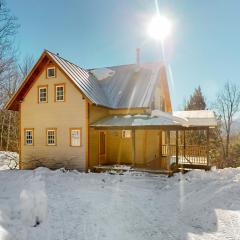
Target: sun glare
159	27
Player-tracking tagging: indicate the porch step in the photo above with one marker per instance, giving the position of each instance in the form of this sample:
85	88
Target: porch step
119	169
194	166
166	172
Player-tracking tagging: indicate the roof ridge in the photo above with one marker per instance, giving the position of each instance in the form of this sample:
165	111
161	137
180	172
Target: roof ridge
129	64
121	65
66	60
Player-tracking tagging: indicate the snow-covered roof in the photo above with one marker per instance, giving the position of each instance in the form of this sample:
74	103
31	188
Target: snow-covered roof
158	118
129	86
198	117
195	114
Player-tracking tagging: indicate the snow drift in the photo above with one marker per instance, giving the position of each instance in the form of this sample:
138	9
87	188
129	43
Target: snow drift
72	205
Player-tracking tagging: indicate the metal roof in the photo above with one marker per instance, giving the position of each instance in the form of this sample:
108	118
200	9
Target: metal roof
130	86
84	80
158	118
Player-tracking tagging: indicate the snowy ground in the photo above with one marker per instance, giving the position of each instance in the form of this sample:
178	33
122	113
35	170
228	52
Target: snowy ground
49	205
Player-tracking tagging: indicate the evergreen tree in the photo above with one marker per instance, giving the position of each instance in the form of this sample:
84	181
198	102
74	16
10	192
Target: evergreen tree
196	101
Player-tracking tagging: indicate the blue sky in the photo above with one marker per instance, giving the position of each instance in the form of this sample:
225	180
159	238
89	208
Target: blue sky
203	48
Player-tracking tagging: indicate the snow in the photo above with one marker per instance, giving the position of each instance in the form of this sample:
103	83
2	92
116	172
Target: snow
189	118
102	73
8	160
159	118
33	202
195	114
127	116
45	204
198	117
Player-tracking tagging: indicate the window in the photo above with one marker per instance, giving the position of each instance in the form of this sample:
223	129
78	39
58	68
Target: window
51	137
126	134
42	94
60	92
28	136
75	137
51	72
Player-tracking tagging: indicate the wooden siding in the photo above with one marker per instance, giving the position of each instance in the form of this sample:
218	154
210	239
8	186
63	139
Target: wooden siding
60	115
95	113
120	148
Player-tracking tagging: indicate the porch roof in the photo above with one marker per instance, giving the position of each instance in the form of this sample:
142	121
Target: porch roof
203	118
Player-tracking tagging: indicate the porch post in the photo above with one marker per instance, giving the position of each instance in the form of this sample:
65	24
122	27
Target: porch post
99	143
208	163
160	145
184	142
133	147
168	142
177	147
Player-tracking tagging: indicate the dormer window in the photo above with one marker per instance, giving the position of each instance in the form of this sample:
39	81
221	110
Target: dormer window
51	72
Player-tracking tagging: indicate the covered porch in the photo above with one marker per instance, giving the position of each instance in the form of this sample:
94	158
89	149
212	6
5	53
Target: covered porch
151	143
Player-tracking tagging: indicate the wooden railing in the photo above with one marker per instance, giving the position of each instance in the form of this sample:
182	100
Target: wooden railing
189	154
168	150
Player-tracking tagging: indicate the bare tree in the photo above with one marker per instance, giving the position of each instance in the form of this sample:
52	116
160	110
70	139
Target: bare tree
9	77
227	106
26	65
8	29
9	119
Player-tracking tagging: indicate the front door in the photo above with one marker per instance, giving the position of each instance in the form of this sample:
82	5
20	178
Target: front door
102	147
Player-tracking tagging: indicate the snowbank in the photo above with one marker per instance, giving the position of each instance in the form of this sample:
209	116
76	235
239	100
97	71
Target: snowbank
73	205
33	202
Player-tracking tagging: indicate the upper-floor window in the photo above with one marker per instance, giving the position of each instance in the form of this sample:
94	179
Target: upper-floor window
60	92
52	137
28	135
51	72
42	94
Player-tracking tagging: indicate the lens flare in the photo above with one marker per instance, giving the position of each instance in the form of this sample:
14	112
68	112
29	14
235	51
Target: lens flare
159	27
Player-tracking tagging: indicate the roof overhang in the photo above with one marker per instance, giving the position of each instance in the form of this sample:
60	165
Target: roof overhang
157	120
13	103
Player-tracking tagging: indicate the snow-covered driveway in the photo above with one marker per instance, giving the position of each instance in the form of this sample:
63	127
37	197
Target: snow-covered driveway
44	204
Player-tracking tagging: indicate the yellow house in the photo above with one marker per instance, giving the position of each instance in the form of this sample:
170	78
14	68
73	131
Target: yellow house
89	118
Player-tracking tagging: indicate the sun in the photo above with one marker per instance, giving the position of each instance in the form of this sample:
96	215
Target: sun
159	27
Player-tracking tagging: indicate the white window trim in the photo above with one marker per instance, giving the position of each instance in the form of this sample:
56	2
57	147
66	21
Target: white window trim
39	95
25	136
55	137
56	87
